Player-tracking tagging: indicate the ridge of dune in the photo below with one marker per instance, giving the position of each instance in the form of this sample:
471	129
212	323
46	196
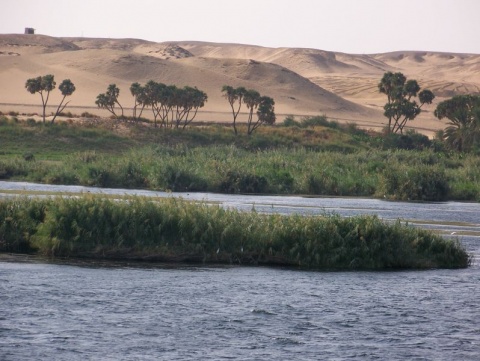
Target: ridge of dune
302	81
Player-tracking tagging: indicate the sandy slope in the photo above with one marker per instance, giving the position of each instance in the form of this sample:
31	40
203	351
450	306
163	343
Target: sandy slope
302	81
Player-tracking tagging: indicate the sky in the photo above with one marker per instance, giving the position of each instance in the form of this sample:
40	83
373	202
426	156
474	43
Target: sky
349	26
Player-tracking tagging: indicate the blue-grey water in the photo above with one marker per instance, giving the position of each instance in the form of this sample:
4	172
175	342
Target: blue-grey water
120	311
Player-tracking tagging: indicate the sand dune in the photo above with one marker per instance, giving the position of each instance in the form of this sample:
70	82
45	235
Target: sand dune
302	81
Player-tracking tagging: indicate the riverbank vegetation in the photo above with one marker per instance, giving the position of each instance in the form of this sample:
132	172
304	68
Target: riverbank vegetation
313	156
174	230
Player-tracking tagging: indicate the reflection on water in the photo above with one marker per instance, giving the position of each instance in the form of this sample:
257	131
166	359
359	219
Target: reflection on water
126	312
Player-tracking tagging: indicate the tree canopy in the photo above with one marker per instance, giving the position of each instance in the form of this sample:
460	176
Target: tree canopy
109	99
265	113
401	106
171	105
66	88
233	95
44	85
254	101
463	112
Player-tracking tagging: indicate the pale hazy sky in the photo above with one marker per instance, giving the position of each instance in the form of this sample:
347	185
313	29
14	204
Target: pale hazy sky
351	26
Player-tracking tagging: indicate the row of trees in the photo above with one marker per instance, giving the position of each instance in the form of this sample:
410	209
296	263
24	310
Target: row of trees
174	107
252	99
170	105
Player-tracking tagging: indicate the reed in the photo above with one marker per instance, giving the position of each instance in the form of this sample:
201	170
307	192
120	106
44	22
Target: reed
177	230
314	157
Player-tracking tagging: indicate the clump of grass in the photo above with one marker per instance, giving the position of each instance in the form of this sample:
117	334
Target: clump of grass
176	230
88	115
426	183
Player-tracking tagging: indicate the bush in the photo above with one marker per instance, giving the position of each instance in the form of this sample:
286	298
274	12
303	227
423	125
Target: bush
88	115
29	157
3	120
319	120
179	180
290	121
100	177
424	183
131	175
19	220
409	141
236	182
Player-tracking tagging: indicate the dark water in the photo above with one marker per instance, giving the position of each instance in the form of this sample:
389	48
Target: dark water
132	312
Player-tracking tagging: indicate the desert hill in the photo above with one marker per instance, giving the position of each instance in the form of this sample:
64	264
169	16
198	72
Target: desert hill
302	81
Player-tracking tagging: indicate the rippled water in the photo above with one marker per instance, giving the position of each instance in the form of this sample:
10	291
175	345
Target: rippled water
132	312
67	312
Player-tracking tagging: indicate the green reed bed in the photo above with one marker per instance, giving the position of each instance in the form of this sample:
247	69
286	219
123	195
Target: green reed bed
175	230
401	175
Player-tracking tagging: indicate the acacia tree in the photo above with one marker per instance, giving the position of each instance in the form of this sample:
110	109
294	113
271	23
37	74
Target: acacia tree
109	99
400	106
233	95
265	114
42	85
463	111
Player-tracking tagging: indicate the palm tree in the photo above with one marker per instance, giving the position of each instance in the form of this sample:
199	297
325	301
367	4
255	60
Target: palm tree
463	112
265	113
251	100
67	88
138	93
42	85
400	107
232	95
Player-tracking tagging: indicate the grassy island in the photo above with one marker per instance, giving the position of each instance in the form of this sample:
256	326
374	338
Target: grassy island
174	230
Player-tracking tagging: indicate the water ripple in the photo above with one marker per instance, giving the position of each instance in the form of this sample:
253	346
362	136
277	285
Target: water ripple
64	312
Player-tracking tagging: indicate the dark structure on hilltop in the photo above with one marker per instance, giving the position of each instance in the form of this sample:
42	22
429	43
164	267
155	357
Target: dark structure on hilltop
29	31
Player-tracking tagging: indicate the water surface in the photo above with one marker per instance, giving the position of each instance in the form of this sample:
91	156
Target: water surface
69	312
120	311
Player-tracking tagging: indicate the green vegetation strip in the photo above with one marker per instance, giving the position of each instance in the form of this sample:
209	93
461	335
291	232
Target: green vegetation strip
174	230
308	158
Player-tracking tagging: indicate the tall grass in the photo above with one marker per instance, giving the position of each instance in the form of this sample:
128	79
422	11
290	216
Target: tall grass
314	156
176	230
401	175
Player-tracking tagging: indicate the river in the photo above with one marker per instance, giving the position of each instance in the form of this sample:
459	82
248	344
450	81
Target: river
127	311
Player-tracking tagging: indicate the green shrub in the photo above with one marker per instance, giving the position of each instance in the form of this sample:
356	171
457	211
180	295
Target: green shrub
132	175
100	177
180	180
409	141
3	120
424	183
19	220
290	121
236	182
319	120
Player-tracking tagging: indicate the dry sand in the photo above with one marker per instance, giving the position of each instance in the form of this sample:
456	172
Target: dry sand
302	81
